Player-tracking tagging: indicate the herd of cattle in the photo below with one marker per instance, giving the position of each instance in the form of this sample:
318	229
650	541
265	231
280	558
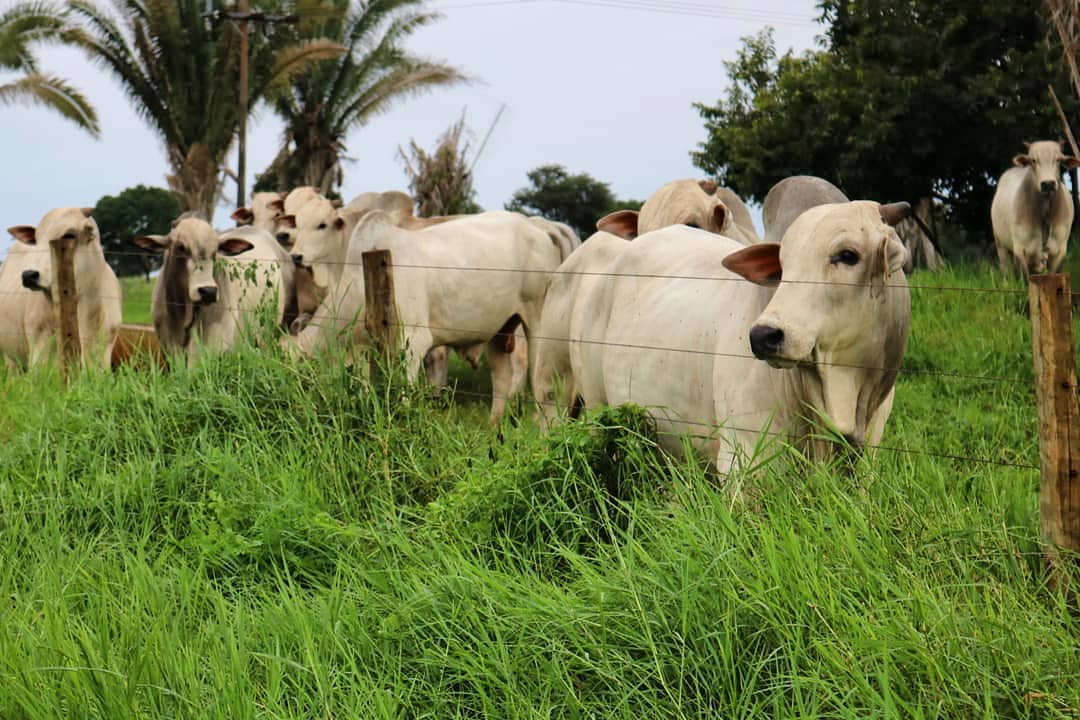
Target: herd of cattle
680	308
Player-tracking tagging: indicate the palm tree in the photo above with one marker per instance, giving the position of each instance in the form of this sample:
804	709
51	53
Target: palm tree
21	26
181	73
330	99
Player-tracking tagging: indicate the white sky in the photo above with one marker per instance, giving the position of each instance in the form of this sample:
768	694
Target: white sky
600	86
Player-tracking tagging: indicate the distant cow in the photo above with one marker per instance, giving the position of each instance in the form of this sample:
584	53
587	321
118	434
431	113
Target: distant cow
27	282
827	311
694	203
1032	213
211	285
790	198
266	208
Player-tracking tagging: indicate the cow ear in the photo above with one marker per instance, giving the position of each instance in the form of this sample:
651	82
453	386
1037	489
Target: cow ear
152	243
233	246
621	222
87	212
24	233
339	223
894	254
758	263
720	216
286	221
708	186
336	203
1069	162
277	205
243	215
1021	160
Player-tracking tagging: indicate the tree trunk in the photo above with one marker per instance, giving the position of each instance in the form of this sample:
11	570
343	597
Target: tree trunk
196	180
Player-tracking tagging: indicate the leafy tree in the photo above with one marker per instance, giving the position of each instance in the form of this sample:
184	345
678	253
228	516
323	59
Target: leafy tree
577	200
441	181
139	210
181	74
21	26
329	99
906	100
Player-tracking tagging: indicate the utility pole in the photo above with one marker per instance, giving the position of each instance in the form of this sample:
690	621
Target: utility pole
243	17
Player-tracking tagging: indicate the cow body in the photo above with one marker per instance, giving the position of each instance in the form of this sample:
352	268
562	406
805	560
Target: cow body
680	344
27	325
441	298
694	203
210	286
790	198
1032	213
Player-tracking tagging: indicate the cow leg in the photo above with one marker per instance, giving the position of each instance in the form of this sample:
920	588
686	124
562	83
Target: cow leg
1005	261
502	376
471	354
552	378
437	366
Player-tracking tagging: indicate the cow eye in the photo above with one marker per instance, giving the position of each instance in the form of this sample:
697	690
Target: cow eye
322	226
845	257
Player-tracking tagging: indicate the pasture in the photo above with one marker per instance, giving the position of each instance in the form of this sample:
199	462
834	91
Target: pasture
258	538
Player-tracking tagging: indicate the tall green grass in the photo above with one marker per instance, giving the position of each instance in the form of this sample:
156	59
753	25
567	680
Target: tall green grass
256	538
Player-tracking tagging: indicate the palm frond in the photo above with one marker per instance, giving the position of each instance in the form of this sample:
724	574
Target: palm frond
57	95
293	60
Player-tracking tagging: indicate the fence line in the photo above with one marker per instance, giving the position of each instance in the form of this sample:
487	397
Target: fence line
654	276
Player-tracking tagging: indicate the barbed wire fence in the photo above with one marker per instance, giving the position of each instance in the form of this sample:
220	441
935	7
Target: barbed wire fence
1050	304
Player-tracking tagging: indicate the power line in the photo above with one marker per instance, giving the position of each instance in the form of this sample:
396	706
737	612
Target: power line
666	8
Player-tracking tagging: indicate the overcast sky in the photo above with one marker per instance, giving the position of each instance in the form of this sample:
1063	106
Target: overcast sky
600	86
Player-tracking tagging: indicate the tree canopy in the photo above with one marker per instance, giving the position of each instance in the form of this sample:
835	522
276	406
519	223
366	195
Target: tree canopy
905	100
139	210
578	200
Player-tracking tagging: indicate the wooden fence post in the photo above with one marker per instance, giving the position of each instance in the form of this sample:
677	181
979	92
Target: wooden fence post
380	311
1050	300
65	304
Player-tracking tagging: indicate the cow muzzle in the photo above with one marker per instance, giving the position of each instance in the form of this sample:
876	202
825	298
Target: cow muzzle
31	280
208	295
766	341
1048	186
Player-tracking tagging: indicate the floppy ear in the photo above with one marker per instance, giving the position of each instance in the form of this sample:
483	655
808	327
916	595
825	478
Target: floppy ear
1021	160
87	212
277	205
243	215
894	254
233	246
1069	162
152	243
621	222
758	263
24	234
336	203
708	186
285	221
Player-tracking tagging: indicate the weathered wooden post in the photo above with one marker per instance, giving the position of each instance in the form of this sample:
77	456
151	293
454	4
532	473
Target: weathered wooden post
380	311
65	304
1050	301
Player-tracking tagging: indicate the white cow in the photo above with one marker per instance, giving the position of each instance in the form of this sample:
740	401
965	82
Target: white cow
441	299
829	316
694	203
212	285
1032	213
27	287
266	208
686	202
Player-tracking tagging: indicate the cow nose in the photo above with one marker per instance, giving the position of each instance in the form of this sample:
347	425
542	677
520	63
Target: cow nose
765	341
283	238
298	259
1048	186
30	279
208	294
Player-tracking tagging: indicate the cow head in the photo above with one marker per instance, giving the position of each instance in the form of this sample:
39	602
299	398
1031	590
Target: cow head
71	223
284	227
266	208
190	250
841	305
1045	160
322	239
683	202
